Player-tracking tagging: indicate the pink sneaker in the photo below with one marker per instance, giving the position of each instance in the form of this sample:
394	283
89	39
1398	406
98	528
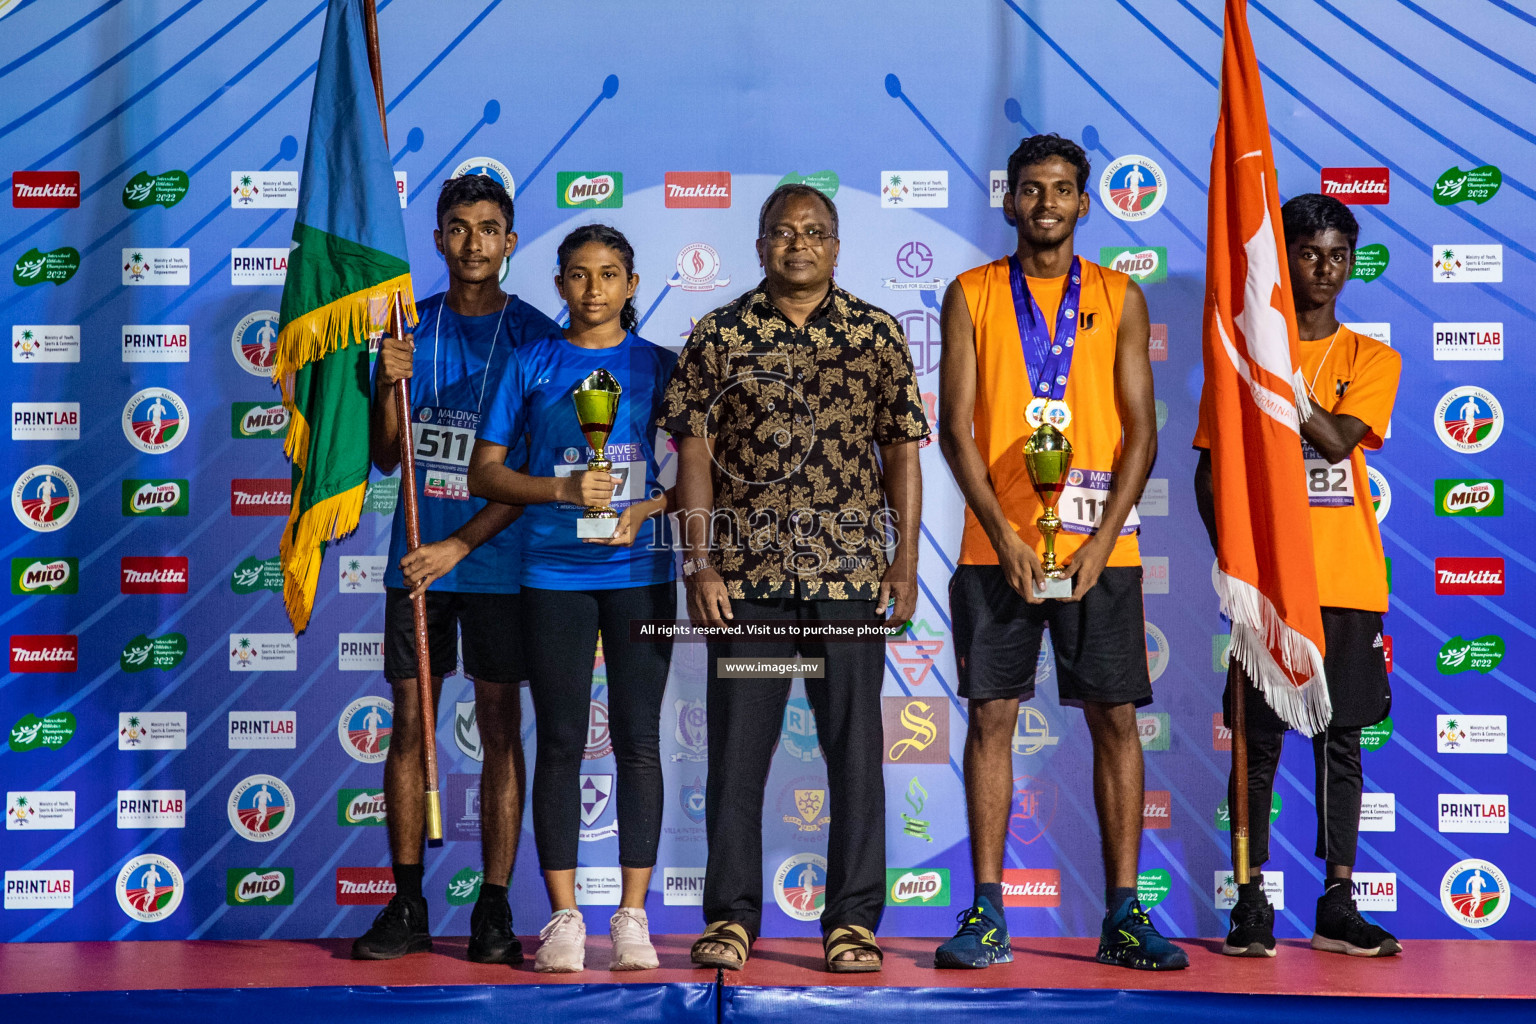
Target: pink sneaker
632	949
562	944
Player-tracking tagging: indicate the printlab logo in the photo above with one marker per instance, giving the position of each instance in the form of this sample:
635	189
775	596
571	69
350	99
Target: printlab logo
1146	265
800	886
365	727
914	260
1477	185
155	420
1467	264
1469	419
698	189
1474	893
920	728
691	731
682	887
253	343
698	269
156	343
267	887
166	189
261	808
1469	497
1474	812
43	576
263	730
914	189
1479	341
39	190
258	266
490	168
1481	655
149	888
601	190
151	808
1034	808
1133	188
142	266
37	267
1356	185
45	343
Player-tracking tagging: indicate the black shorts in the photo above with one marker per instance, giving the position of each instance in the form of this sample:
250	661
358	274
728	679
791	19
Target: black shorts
1100	641
1355	664
488	623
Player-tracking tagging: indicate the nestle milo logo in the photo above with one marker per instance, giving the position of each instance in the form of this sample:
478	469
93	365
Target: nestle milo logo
38	576
255	574
47	733
1370	262
162	652
1480	655
603	191
261	886
1478	185
360	807
145	189
1469	497
258	419
1145	265
38	267
155	497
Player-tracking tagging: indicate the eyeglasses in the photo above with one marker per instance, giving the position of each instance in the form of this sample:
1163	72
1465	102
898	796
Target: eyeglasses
782	238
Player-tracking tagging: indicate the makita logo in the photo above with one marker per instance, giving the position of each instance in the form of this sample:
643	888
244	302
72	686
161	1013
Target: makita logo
1469	576
1030	887
260	497
1357	184
358	886
698	189
43	189
1157	809
45	653
144	575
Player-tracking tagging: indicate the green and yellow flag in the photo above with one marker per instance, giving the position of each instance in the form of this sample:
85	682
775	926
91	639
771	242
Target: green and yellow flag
347	268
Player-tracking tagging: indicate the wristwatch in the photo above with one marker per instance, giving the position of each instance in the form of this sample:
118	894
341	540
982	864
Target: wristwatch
694	565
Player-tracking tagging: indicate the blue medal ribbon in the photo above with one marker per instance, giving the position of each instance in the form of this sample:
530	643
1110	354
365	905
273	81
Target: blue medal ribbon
1048	362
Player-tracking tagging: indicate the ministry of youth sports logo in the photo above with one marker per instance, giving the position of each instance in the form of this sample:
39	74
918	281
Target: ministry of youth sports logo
149	888
1133	188
45	499
800	886
261	808
254	343
364	729
1469	420
155	420
1474	893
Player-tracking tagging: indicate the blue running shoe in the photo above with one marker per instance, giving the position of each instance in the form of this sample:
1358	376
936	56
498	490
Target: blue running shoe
981	941
1129	939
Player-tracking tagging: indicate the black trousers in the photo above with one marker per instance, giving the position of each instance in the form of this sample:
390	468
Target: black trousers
745	716
1337	786
560	638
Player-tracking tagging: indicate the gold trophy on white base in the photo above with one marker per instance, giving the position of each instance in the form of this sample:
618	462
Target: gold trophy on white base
1048	457
597	406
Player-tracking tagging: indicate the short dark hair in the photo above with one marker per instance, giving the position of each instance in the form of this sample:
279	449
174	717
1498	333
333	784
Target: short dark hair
1037	148
469	189
788	191
1312	213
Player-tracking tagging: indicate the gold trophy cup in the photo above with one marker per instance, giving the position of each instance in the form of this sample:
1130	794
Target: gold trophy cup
597	405
1047	457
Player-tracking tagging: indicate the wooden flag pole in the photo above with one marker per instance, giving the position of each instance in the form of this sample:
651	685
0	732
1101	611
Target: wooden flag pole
1239	808
408	493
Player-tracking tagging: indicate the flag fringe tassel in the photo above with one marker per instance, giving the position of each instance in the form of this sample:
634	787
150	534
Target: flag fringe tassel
1303	400
333	326
302	550
1257	632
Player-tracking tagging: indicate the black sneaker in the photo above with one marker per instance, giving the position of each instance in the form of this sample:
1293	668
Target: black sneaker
400	928
1253	929
1341	929
491	940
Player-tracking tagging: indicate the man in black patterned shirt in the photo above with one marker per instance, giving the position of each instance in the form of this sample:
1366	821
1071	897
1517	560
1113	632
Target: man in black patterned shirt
797	416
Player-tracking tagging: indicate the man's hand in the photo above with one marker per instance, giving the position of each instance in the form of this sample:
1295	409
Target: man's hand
709	603
1088	563
1022	568
431	562
395	360
630	520
897	584
589	487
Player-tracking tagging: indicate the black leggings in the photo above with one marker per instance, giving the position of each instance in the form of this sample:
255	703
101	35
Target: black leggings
560	629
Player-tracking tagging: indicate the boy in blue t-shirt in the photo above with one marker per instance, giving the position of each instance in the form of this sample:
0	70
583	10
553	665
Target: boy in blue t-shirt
467	557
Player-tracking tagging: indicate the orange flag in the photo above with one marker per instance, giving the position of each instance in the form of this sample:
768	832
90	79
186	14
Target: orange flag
1253	391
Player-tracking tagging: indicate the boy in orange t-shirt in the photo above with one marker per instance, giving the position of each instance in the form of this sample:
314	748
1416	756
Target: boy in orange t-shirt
1352	382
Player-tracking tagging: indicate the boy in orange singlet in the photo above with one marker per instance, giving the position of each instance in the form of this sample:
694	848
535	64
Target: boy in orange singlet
1352	382
1044	335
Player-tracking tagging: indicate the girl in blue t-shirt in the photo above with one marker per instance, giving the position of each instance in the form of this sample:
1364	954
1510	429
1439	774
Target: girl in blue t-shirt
574	589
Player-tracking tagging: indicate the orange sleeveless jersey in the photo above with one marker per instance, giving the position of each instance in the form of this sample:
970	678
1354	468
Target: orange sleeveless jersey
1002	391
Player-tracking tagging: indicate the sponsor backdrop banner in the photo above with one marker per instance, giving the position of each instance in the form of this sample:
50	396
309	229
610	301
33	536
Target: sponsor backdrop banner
178	765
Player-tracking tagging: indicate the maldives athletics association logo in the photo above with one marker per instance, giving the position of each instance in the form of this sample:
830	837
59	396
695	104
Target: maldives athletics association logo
800	886
149	888
1474	893
261	808
364	729
254	343
1133	187
1469	420
155	420
45	499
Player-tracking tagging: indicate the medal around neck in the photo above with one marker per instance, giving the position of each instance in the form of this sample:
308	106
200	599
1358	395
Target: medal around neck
597	406
1047	458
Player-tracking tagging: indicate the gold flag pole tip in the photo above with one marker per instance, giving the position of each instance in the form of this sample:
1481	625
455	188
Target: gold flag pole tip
434	817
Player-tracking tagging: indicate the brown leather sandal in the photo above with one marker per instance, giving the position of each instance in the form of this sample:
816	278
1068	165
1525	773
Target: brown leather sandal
851	937
725	933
